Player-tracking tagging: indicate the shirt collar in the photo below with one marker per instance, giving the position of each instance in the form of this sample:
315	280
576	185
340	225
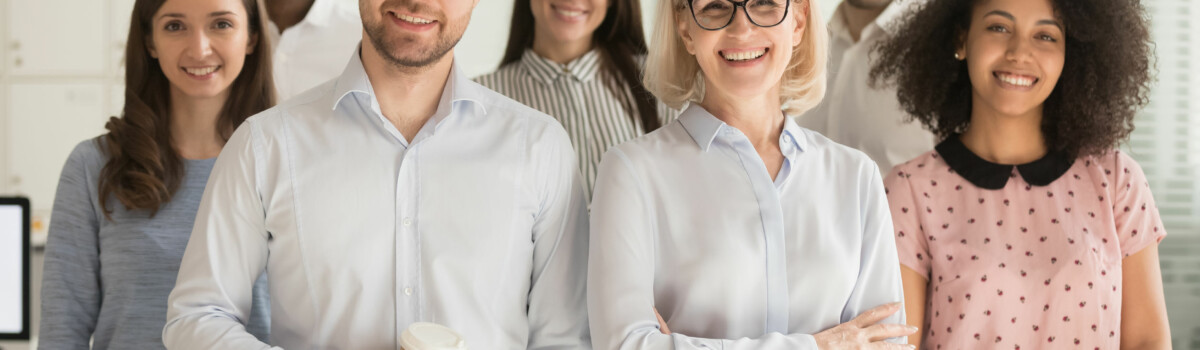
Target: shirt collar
703	127
992	176
458	90
320	12
582	69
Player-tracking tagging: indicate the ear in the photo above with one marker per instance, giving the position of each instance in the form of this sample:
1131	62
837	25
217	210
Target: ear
801	17
682	22
150	46
960	52
252	44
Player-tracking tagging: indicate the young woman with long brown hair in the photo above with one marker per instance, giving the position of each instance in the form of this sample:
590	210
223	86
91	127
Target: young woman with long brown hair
126	200
580	61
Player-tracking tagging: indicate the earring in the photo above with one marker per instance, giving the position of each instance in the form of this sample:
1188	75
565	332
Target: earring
957	56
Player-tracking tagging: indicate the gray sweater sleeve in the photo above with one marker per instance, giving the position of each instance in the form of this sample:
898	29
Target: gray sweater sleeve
71	279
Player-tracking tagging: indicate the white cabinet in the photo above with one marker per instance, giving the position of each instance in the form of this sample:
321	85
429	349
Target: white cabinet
55	37
119	19
46	121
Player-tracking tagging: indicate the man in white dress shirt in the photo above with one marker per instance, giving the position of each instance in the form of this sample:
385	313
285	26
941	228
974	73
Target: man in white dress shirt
853	113
400	192
312	39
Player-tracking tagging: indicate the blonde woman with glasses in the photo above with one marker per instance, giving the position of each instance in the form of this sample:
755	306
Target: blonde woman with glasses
743	230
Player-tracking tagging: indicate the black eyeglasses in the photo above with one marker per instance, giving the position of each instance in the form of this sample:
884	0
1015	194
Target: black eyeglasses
718	14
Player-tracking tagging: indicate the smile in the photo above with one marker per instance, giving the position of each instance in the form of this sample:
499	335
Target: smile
568	12
1016	79
201	71
411	19
742	56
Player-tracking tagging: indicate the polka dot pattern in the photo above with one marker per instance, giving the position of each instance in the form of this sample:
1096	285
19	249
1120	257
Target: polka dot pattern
1024	266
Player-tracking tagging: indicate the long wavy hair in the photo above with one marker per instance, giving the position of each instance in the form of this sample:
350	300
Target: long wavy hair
144	170
619	39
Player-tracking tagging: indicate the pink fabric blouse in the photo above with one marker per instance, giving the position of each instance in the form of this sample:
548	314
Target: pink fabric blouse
1023	266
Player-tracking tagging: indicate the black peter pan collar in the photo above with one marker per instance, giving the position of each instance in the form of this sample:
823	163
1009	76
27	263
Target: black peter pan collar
992	176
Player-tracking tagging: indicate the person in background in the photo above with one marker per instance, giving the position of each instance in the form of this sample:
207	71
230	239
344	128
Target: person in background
1024	228
744	230
400	192
126	201
581	62
853	113
312	41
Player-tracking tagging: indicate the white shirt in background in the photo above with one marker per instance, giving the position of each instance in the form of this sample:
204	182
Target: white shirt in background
853	113
316	49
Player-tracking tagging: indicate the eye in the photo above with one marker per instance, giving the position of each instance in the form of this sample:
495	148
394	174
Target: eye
173	26
716	6
765	3
1047	37
223	25
997	28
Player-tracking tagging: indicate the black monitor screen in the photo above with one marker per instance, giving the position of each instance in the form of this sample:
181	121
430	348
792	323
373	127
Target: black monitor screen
14	268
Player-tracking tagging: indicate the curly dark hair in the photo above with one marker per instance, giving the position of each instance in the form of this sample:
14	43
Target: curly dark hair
1105	79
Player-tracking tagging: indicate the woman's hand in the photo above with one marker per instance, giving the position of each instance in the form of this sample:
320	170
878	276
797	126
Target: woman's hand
863	333
662	325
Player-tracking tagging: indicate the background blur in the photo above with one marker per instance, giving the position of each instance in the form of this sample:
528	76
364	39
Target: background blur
61	78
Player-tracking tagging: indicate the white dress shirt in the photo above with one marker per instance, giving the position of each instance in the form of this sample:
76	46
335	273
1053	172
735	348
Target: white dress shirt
478	224
315	50
687	220
853	113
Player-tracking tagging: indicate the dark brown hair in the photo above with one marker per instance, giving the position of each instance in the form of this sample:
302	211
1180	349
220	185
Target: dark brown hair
144	170
619	38
1105	78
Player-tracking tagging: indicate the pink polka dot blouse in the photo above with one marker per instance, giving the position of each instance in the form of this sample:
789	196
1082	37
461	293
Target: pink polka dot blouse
1035	262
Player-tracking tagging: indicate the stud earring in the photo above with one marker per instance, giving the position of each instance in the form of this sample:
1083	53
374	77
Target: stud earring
957	56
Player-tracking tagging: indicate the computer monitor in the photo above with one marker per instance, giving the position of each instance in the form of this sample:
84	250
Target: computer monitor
14	268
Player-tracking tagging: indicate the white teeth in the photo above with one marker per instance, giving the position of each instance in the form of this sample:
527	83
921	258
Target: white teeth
569	13
201	71
411	19
1015	80
744	55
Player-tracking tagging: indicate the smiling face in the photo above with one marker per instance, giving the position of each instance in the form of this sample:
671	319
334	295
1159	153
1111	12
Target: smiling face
565	21
414	33
201	45
743	59
1015	50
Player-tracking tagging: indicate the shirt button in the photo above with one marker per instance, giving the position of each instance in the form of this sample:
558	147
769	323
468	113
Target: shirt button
408	291
406	221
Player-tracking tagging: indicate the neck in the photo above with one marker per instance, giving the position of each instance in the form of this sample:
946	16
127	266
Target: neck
194	131
560	51
287	13
408	96
759	117
857	18
1005	139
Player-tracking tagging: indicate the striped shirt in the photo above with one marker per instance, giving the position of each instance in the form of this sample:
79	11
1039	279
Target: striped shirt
577	97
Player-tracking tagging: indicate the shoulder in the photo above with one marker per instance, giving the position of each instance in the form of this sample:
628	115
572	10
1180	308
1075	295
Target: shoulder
503	78
843	158
88	156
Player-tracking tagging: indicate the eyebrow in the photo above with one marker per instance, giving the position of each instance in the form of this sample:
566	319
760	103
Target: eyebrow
213	14
1014	19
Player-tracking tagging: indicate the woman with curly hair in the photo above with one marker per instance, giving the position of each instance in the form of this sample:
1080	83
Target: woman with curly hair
126	201
1025	228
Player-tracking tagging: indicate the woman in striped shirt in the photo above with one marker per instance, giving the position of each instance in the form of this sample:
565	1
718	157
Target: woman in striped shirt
580	62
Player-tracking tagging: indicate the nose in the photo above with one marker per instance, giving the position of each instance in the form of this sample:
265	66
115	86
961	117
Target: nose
1019	49
199	45
741	25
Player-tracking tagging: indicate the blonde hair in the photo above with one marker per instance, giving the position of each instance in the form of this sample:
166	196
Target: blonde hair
674	76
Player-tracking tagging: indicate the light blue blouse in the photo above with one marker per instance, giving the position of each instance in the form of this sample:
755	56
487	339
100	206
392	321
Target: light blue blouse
687	219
